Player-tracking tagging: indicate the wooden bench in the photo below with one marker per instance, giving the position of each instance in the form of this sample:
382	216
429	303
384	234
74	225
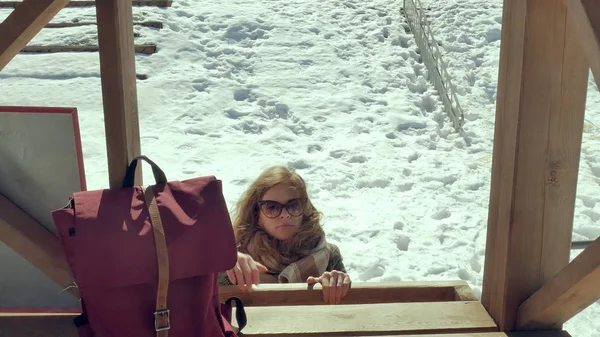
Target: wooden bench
434	309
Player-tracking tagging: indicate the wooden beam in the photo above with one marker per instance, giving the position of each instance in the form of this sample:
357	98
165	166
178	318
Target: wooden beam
151	24
464	293
39	325
139	49
34	243
359	293
23	23
59	323
119	92
136	3
586	16
539	333
542	87
371	319
573	289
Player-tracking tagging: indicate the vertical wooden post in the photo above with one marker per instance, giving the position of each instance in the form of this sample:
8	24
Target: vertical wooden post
540	108
119	93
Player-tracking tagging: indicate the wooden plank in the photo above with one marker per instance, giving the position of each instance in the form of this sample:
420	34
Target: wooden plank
586	16
60	324
467	334
371	319
464	293
23	23
567	110
541	333
136	3
539	118
139	49
38	326
34	243
567	294
544	333
151	24
359	293
119	92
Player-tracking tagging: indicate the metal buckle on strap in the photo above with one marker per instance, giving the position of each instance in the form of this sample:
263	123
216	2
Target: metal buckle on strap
164	312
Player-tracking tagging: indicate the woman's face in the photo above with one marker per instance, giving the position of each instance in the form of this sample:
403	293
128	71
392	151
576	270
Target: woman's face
280	213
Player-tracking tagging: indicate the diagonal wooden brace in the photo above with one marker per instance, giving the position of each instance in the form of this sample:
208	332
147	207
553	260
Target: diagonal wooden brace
586	16
23	24
34	243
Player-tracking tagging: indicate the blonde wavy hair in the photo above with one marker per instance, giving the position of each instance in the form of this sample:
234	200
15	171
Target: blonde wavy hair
253	240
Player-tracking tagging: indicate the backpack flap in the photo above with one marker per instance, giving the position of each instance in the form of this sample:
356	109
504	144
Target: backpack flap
108	238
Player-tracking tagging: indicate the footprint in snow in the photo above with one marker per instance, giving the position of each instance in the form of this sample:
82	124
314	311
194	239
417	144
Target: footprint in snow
372	272
314	148
398	225
377	183
441	214
402	242
588	202
300	164
360	159
241	95
405	187
337	154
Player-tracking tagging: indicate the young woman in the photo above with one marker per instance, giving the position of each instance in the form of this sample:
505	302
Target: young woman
280	238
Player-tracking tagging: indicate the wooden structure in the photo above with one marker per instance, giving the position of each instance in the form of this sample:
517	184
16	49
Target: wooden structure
530	288
435	309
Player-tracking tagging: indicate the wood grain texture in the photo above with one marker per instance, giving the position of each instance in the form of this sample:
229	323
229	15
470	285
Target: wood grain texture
139	49
371	319
137	3
539	119
119	90
59	323
23	24
540	333
151	24
575	288
359	293
34	243
586	16
464	293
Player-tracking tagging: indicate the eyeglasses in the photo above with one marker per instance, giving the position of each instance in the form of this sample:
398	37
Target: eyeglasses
272	209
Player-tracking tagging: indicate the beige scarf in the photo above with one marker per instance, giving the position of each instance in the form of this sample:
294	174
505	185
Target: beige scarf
314	264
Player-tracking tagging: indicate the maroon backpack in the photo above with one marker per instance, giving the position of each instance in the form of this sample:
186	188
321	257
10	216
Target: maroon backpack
146	261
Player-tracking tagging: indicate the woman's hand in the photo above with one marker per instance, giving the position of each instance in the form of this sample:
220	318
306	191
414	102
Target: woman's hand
246	272
335	285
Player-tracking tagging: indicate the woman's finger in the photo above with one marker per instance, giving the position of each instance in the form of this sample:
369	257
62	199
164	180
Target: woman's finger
339	288
261	267
347	282
239	275
231	276
326	283
247	273
313	280
255	273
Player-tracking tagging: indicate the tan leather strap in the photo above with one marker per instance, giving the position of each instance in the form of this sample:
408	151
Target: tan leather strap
162	322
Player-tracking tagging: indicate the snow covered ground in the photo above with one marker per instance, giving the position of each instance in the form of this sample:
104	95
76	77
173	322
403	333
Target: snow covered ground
333	88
